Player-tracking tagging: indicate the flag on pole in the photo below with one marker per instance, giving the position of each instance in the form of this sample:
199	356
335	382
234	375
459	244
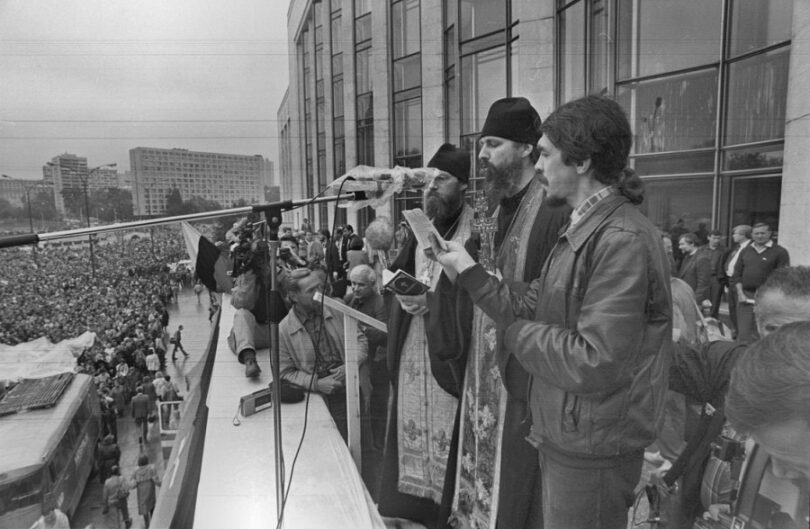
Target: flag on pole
211	265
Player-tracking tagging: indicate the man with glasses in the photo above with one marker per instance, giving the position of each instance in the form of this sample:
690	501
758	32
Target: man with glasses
311	346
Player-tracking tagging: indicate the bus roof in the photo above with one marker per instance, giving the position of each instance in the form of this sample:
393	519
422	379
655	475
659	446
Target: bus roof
27	437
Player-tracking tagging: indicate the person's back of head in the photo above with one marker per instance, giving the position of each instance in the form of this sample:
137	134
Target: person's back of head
783	298
768	397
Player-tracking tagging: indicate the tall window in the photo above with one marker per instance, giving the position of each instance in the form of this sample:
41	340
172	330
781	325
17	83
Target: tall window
406	59
364	99
307	129
338	130
320	105
363	82
704	83
479	39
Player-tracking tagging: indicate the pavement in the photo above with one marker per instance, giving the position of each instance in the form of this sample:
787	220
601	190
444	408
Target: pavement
193	316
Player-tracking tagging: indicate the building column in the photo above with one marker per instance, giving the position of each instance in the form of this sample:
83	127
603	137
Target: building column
793	215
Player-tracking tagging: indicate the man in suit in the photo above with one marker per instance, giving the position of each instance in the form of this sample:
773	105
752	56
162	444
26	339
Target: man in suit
696	268
716	251
140	411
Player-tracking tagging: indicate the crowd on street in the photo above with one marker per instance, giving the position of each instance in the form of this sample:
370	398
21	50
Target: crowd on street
122	297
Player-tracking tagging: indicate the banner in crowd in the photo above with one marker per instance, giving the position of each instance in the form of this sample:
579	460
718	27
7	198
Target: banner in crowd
41	358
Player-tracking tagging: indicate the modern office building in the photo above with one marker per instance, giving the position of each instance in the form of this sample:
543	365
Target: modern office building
65	171
224	178
68	171
714	90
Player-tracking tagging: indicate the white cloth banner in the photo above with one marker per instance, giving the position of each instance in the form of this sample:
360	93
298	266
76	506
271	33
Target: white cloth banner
41	358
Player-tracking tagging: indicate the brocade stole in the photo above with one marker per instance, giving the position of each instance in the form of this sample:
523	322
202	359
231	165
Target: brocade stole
426	412
475	501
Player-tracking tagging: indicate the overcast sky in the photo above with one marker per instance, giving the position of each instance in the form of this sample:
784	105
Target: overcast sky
96	78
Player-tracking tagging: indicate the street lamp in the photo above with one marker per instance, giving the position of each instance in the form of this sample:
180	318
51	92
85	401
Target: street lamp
85	180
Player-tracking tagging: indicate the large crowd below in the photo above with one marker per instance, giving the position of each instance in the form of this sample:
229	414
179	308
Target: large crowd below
122	296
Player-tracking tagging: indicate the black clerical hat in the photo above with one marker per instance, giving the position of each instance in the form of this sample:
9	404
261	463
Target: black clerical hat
453	160
513	118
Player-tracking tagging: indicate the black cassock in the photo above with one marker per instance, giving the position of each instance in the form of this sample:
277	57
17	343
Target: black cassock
449	326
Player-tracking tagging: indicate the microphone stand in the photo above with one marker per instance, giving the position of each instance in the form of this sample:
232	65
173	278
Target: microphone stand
272	212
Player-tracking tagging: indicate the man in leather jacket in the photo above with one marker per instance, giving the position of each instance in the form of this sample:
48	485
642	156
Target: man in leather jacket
594	330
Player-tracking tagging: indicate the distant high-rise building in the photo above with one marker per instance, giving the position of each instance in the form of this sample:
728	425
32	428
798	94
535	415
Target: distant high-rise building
65	171
224	178
68	171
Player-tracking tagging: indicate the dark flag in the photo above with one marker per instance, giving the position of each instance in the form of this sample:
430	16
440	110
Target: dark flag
211	265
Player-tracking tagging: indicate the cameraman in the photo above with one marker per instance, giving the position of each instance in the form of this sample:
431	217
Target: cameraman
288	258
311	346
252	279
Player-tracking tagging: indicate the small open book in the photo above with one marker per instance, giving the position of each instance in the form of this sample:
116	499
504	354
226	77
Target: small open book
403	283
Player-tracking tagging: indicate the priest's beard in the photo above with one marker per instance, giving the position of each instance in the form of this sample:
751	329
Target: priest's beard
441	208
500	182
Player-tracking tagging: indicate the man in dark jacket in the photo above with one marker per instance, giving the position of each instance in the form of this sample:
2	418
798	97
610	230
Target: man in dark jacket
594	330
374	381
140	410
695	269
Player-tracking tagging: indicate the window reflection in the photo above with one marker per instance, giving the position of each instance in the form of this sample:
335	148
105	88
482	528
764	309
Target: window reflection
756	200
483	80
572	53
407	73
405	28
679	205
479	17
673	113
363	73
753	158
408	132
670	35
756	24
600	47
757	97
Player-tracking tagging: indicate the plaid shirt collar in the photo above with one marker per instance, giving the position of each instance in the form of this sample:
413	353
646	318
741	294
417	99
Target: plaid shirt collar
589	203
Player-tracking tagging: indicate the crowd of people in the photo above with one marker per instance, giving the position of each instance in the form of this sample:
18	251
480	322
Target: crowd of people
122	297
553	369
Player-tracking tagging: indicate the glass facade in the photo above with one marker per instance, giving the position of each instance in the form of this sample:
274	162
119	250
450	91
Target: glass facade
406	77
704	83
480	39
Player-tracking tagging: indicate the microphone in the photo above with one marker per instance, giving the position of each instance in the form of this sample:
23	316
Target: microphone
380	183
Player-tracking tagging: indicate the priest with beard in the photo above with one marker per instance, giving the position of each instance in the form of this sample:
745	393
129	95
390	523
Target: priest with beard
419	451
497	478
